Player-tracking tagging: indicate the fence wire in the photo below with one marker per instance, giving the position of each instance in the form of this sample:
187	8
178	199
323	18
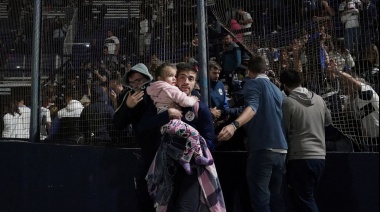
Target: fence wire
96	42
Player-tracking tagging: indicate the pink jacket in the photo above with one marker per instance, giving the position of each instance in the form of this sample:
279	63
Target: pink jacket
234	27
164	95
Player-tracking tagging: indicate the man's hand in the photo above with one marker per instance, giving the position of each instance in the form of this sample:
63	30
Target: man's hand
134	99
215	112
226	133
174	113
113	95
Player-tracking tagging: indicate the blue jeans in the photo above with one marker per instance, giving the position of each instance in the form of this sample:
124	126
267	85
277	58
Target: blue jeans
265	173
303	178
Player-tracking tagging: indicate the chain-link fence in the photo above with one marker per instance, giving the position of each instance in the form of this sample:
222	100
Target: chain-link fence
97	42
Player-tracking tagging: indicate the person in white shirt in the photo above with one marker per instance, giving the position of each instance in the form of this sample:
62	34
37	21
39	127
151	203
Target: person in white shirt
362	103
25	119
144	35
246	21
350	19
45	122
11	120
113	43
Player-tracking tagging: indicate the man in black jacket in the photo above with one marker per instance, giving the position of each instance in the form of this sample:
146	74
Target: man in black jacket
133	103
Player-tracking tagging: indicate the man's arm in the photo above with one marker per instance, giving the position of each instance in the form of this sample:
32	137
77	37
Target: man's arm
229	130
332	72
205	126
151	119
252	97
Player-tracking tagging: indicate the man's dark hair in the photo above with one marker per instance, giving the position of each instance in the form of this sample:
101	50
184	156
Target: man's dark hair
105	47
185	67
291	78
257	65
160	69
215	65
226	34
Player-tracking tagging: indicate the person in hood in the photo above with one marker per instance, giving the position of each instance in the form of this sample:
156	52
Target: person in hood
93	129
165	94
132	104
305	116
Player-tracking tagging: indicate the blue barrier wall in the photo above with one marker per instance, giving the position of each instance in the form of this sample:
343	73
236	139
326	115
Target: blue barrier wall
53	177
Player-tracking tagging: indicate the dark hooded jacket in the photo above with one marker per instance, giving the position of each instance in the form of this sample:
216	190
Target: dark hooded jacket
124	116
96	119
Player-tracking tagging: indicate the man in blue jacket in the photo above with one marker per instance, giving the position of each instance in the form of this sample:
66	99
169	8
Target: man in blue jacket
266	142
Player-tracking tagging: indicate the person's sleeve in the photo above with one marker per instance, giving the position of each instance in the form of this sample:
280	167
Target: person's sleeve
206	127
54	129
234	112
286	115
151	119
252	95
83	125
344	18
180	97
7	127
237	56
225	101
122	116
117	40
48	117
328	119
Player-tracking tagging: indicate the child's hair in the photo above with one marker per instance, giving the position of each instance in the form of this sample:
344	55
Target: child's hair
159	72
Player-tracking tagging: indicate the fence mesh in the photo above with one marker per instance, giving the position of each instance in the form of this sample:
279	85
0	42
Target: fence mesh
96	42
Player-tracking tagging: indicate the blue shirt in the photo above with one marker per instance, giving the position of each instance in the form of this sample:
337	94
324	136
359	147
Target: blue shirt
265	129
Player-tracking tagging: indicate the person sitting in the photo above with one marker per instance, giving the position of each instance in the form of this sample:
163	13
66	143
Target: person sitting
93	129
65	127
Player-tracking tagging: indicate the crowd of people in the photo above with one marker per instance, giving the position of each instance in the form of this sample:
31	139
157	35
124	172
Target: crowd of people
266	101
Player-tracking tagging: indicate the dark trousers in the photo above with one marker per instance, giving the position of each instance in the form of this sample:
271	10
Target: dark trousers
144	201
186	192
303	178
265	173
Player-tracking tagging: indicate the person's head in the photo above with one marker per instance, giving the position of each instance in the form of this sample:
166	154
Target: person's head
186	77
20	100
12	108
115	82
227	39
240	11
105	49
109	33
290	79
137	77
86	64
69	95
166	72
372	55
154	58
350	5
257	65
284	55
195	40
214	71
